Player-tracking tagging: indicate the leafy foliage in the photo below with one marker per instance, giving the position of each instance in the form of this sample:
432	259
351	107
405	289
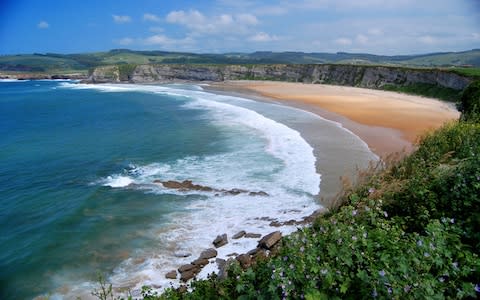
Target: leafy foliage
427	90
470	102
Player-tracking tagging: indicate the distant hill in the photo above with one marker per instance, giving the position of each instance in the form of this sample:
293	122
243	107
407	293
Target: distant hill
52	62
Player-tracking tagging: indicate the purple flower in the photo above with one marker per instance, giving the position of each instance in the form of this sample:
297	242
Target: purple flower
285	258
385	214
302	249
371	190
354	212
477	288
452	220
420	243
406	288
374	293
381	273
389	290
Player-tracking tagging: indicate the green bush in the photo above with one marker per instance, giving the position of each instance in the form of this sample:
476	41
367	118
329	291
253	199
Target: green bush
470	102
126	71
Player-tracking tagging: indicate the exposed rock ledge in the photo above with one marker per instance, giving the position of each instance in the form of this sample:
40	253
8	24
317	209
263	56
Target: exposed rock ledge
348	75
187	185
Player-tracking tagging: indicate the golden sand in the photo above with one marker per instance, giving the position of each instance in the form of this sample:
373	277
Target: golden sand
387	121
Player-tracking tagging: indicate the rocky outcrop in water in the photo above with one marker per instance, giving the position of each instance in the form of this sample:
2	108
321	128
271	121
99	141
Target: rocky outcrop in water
349	75
188	185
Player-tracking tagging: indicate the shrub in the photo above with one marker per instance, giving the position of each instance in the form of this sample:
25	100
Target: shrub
470	102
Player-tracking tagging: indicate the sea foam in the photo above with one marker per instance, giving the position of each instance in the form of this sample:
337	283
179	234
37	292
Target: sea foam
276	160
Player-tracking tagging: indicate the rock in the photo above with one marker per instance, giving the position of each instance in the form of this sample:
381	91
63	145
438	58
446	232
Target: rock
200	262
348	75
209	253
261	193
171	275
220	240
238	235
187	267
223	267
252	235
244	260
232	254
182	289
187	275
220	262
275	224
270	240
261	254
253	251
182	254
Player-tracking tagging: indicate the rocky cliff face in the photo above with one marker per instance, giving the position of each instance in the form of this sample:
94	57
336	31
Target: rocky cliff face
105	74
350	75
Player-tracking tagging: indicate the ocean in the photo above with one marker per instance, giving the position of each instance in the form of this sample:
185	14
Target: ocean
78	165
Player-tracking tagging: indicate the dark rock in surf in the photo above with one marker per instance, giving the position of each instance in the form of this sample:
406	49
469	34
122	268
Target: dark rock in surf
209	253
171	275
239	234
220	240
268	241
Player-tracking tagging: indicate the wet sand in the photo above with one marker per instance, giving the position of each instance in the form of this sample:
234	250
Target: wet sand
388	122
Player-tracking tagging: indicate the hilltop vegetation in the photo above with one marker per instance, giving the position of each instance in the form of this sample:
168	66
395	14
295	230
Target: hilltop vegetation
53	62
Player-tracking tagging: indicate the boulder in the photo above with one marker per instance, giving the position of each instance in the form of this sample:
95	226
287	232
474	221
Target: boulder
260	193
182	254
220	240
186	276
244	260
171	275
209	253
182	289
252	235
201	262
187	267
270	240
239	234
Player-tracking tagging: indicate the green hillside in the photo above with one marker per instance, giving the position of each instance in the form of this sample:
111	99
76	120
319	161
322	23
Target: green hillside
53	62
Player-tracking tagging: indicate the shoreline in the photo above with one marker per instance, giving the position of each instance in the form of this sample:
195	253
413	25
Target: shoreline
388	122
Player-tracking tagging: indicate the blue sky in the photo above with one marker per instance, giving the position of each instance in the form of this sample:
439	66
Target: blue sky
218	26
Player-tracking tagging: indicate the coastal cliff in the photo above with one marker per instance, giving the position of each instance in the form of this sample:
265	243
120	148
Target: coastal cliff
349	75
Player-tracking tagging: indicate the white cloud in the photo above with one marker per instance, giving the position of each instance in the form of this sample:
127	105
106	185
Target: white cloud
156	29
125	41
263	37
151	17
247	19
427	39
43	25
343	41
163	40
121	19
375	31
199	24
361	39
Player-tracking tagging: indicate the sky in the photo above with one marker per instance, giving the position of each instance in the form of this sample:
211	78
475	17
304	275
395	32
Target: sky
387	27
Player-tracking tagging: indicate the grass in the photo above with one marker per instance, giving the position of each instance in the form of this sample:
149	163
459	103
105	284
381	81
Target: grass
427	90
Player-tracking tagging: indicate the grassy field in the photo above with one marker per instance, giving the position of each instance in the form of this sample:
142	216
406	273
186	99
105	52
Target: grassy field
84	61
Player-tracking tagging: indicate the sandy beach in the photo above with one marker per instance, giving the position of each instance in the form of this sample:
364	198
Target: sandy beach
388	122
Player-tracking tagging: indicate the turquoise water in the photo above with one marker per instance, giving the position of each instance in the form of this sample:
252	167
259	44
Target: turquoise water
77	165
